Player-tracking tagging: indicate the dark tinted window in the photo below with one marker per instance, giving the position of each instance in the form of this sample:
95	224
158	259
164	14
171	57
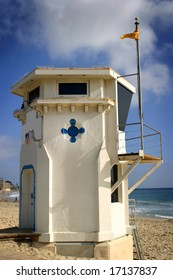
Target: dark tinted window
114	178
33	94
72	88
124	100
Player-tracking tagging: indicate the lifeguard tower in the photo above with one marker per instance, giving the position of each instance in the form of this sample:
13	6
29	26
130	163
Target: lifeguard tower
74	163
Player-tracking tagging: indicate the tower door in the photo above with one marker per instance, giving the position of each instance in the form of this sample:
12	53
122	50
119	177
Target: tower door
27	198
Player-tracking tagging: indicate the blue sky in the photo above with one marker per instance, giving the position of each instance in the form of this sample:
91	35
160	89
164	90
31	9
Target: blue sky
86	33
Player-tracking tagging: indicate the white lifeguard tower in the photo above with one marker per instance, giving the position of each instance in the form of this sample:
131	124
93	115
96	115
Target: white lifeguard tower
74	163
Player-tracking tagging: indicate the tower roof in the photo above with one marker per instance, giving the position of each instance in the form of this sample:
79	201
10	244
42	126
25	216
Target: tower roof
40	73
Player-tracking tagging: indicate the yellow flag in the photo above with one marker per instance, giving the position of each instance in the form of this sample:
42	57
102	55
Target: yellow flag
134	35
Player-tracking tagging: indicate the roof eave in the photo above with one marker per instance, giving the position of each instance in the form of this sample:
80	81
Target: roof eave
44	72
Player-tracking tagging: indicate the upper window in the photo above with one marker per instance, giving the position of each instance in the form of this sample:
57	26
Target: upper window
72	88
124	100
33	94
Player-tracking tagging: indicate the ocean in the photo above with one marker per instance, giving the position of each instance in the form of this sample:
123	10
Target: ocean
10	196
155	202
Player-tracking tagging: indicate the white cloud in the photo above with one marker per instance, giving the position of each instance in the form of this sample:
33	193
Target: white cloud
64	28
9	147
156	78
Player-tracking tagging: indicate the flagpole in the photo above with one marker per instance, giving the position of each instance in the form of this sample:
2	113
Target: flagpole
139	86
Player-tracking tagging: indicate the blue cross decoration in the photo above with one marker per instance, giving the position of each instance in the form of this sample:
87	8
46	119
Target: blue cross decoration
73	131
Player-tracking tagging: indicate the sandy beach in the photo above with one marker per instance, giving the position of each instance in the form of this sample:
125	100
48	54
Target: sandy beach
156	237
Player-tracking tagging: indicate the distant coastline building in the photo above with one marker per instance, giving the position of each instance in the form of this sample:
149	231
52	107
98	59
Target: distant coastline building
5	186
75	161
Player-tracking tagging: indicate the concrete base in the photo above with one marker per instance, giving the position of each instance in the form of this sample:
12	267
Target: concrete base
118	249
78	250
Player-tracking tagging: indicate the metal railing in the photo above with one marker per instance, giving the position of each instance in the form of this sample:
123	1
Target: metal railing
132	212
135	234
131	141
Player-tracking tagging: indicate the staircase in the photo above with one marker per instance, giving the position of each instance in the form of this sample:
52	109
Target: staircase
137	244
136	240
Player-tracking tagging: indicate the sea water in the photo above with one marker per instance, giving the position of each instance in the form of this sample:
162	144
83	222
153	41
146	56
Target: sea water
155	202
10	196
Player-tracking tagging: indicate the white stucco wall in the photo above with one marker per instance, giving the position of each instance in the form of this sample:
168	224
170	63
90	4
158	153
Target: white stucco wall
73	188
43	191
74	172
32	123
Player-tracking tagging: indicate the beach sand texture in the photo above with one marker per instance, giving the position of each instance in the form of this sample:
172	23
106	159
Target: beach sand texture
156	237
